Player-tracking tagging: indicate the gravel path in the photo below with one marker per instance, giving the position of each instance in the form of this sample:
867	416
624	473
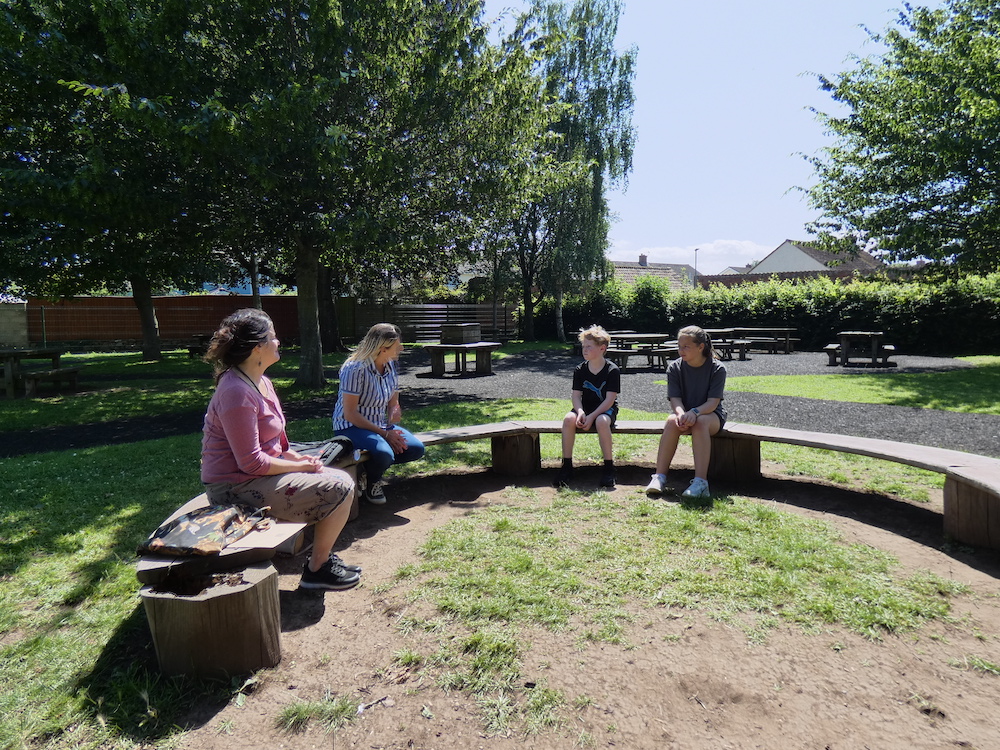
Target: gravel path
547	375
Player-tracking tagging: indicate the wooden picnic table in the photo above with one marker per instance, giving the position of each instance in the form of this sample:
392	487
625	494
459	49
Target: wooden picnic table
628	340
776	336
482	349
13	372
870	342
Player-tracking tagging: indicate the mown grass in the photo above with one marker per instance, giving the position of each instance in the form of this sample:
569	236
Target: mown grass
975	389
77	664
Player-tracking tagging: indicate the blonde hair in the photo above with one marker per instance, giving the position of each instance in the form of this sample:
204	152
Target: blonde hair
700	336
379	336
596	334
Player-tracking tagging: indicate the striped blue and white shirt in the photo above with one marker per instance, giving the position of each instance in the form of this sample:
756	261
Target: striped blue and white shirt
362	379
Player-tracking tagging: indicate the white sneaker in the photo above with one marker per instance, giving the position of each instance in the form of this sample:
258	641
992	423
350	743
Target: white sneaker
656	484
697	488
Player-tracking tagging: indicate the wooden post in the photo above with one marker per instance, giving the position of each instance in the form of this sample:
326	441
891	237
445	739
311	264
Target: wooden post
232	627
971	514
517	455
734	459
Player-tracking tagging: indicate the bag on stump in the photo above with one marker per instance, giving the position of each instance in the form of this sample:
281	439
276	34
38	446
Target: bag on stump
205	531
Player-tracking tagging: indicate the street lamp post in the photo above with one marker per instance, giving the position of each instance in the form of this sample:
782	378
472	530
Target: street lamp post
695	284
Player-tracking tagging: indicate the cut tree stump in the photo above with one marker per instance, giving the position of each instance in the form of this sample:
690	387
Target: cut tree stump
217	625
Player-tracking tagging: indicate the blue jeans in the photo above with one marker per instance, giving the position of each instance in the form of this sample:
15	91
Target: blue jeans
380	454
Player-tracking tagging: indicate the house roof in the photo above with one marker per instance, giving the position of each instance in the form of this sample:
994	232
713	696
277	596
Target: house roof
679	275
861	261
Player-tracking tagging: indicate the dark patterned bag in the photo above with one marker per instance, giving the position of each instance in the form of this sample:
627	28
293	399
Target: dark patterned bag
205	531
331	451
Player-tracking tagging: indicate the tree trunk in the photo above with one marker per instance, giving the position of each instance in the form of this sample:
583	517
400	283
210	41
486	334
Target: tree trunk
255	281
560	328
329	324
142	295
528	319
311	353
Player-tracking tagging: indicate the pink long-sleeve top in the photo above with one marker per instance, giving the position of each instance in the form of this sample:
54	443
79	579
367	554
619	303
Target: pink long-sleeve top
243	431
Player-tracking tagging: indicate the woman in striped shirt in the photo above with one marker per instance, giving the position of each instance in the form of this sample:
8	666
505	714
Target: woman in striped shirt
368	411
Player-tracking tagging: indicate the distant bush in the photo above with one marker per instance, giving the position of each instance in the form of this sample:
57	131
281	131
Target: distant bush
943	316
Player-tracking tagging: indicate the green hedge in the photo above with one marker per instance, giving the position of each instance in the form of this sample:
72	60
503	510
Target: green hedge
933	317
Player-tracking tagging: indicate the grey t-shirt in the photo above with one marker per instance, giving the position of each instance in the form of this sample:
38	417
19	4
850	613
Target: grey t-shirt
695	385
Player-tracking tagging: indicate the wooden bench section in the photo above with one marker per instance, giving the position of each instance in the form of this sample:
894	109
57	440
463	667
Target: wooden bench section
33	377
972	482
483	351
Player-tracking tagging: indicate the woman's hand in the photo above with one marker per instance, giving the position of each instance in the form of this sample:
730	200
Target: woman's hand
307	464
395	440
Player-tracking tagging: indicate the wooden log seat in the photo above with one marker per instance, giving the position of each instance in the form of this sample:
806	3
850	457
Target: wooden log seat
218	625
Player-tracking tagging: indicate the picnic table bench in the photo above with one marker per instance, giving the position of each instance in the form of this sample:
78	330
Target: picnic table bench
483	350
865	346
771	339
658	353
16	375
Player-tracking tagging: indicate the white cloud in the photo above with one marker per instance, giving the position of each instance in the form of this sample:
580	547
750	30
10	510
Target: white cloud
713	256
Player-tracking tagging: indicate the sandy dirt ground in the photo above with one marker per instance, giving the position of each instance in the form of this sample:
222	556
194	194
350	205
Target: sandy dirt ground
686	681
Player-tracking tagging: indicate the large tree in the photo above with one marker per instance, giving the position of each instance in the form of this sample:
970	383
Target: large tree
562	231
356	136
92	201
915	165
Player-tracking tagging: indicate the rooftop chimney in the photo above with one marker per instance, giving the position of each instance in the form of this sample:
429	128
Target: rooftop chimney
642	260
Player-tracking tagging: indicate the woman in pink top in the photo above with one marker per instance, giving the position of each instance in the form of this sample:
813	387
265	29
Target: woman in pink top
245	457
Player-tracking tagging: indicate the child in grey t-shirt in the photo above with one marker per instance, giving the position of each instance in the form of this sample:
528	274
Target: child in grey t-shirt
695	385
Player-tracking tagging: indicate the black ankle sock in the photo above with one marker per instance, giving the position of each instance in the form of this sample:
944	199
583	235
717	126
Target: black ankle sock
567	463
609	463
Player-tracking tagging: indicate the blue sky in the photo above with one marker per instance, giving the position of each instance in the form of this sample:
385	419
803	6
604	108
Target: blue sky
723	92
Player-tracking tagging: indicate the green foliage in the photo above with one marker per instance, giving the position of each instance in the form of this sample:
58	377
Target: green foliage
913	164
921	316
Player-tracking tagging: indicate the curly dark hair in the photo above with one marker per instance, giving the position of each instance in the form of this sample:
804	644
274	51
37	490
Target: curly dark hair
236	338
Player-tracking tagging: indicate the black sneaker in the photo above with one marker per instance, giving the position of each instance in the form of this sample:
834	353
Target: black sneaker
375	494
331	576
607	477
564	477
346	566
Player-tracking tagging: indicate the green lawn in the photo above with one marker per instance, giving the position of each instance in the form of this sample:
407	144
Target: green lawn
975	389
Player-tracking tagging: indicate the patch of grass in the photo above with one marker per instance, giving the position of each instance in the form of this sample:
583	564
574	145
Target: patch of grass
585	564
330	713
973	389
873	474
977	664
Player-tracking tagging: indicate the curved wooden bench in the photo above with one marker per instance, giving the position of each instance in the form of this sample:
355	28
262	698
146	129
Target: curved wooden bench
971	489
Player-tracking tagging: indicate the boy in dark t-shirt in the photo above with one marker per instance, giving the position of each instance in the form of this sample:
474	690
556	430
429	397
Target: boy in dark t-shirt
596	384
